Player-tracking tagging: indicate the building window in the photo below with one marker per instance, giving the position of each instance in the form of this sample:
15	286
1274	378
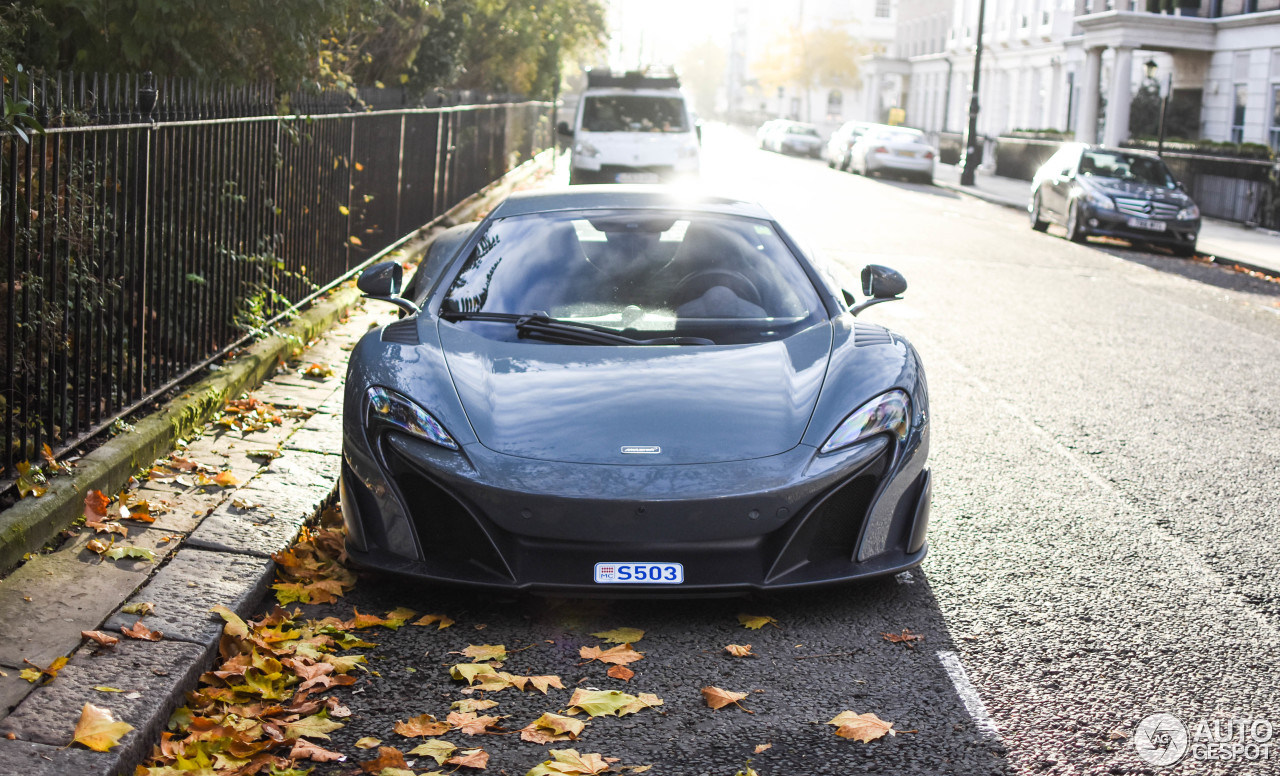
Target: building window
1275	117
1237	113
835	103
882	9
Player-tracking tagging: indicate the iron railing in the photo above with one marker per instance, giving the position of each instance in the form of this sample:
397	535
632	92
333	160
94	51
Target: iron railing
150	227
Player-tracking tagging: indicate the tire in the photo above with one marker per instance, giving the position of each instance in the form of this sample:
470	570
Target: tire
1184	251
1075	230
1037	223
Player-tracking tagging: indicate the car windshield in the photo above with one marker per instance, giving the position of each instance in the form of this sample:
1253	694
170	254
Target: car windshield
633	113
643	274
1126	167
898	136
811	131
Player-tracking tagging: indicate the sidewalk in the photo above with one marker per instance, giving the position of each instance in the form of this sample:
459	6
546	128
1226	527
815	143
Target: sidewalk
276	454
1226	242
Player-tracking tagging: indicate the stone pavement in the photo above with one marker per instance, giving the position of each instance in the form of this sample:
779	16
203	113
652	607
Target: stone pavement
1225	241
215	544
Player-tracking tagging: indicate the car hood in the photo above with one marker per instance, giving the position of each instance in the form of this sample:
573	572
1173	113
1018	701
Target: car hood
666	404
1114	187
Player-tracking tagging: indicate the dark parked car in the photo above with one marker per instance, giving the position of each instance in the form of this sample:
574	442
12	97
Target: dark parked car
626	388
1114	192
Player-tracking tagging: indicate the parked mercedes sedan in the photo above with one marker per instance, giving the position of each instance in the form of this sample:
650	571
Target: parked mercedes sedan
1114	192
794	137
893	151
836	151
633	390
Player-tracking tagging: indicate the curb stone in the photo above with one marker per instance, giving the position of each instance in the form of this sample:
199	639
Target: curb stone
237	542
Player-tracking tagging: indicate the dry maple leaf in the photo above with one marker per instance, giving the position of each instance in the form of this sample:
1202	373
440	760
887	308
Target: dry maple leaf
762	748
539	683
435	748
95	506
439	620
368	742
484	653
619	655
861	727
552	727
142	632
98	728
388	757
718	698
739	650
621	672
906	637
473	704
757	621
470	758
104	639
470	723
422	725
621	635
568	761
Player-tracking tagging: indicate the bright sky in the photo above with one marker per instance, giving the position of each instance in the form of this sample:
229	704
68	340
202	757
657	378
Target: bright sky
658	31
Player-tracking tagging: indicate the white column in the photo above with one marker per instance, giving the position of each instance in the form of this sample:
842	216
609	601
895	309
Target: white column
1121	95
1087	116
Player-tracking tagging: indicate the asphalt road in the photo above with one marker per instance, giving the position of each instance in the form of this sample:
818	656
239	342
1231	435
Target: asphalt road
1106	458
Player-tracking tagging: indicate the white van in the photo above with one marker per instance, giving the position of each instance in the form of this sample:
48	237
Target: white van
632	128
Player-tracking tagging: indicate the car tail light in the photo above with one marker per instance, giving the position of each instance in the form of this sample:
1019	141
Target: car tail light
928	154
880	150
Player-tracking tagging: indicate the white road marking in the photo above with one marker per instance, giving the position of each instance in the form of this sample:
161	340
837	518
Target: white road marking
968	695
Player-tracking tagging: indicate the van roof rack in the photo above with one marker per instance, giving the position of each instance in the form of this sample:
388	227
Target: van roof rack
648	78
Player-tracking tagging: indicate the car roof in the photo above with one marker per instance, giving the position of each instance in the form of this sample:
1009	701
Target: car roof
629	197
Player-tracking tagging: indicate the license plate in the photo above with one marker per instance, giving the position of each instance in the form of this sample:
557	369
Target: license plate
909	154
639	573
1143	223
637	177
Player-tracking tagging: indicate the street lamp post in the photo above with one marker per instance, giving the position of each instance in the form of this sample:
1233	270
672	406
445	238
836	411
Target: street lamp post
1150	67
971	134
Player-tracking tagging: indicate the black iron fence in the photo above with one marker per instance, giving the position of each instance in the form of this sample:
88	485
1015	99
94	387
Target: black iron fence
150	227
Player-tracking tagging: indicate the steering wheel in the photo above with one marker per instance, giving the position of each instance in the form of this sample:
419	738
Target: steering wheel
698	283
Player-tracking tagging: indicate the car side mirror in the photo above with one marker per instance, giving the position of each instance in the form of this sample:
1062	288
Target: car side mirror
1065	173
383	282
563	128
880	284
1181	186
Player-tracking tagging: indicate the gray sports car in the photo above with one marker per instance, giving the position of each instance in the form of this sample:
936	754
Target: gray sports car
629	390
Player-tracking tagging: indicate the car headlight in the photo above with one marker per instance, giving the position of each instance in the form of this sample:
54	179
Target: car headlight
887	413
1189	212
386	406
586	149
1101	201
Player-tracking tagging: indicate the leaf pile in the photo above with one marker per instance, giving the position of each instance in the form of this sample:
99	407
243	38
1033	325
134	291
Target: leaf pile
312	570
248	414
34	480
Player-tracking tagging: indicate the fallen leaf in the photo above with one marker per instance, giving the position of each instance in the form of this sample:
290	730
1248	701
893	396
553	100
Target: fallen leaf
739	650
142	632
619	655
621	672
718	698
597	703
906	637
142	553
321	371
31	481
762	748
435	748
104	639
304	749
470	758
35	673
98	729
104	688
422	725
234	625
861	727
388	757
141	608
552	727
471	723
369	742
440	620
226	479
473	704
568	761
484	652
621	635
95	506
757	621
315	726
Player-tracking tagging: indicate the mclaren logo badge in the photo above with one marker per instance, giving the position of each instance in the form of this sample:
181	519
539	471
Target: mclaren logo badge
641	449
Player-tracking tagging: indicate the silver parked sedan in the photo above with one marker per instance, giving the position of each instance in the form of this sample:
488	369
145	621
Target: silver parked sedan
894	150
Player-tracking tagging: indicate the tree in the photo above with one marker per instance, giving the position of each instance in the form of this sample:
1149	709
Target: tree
806	59
702	70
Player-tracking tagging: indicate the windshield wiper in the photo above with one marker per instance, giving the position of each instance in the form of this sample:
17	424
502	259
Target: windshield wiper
544	328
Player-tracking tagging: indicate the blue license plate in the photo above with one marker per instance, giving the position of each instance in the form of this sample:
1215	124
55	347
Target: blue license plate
639	574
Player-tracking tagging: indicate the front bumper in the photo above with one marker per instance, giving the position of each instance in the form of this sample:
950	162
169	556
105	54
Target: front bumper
482	519
909	164
1111	223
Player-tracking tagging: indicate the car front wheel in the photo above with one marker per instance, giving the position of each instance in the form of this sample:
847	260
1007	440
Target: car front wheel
1037	223
1075	229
